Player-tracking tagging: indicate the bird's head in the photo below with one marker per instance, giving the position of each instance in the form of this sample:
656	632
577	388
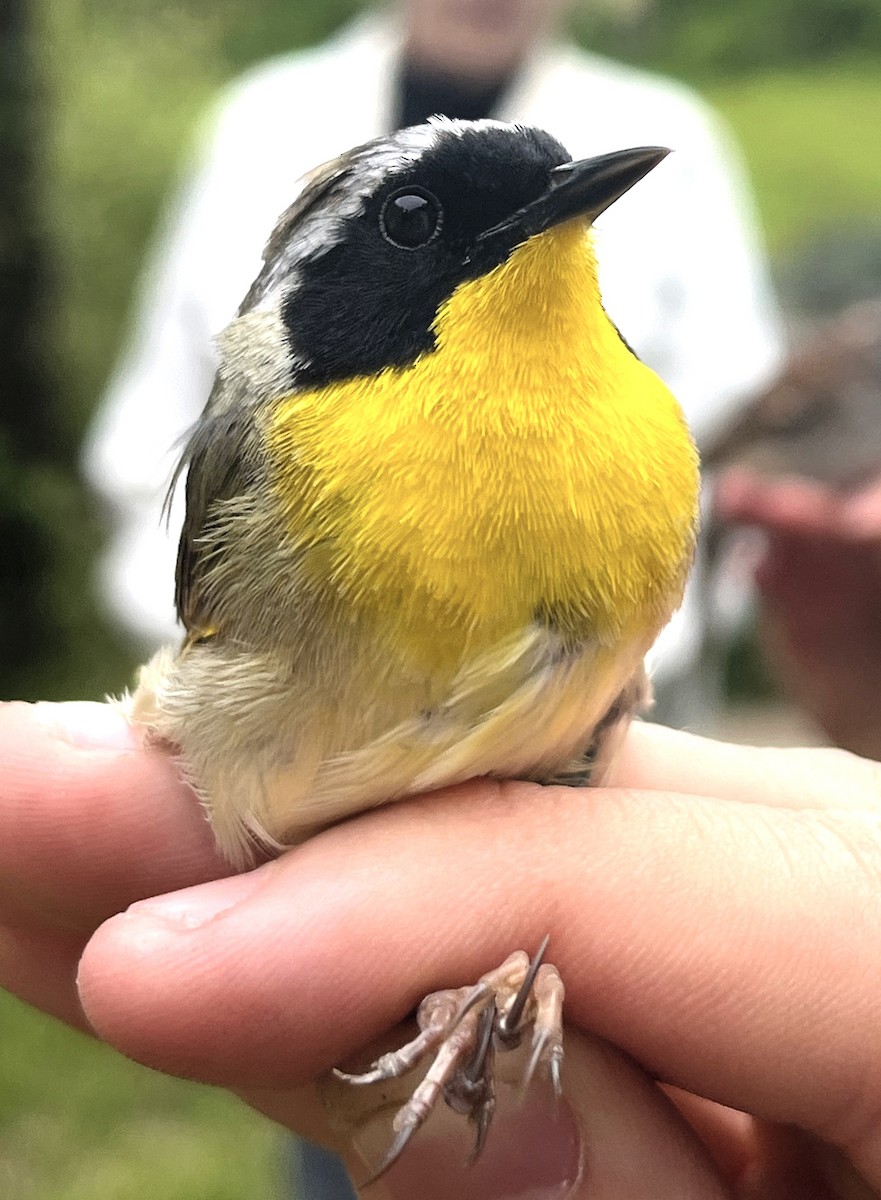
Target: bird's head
360	266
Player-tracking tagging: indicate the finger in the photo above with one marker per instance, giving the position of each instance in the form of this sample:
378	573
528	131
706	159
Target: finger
654	757
792	1165
729	948
787	506
613	1134
805	574
756	1162
40	968
90	821
730	1137
764	1162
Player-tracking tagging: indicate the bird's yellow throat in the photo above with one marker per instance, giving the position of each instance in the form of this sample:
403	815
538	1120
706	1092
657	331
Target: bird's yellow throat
529	464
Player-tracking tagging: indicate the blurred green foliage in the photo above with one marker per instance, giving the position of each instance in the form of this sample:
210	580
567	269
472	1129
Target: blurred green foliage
698	39
811	138
77	1122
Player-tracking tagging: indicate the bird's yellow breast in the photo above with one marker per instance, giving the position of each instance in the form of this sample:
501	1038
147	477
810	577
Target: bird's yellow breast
529	465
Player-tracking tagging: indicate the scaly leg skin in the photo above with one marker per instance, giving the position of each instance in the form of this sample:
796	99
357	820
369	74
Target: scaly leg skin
463	1027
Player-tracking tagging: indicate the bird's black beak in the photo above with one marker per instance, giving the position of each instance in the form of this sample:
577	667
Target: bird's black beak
577	189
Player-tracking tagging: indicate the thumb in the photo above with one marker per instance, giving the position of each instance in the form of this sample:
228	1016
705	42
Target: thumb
612	1135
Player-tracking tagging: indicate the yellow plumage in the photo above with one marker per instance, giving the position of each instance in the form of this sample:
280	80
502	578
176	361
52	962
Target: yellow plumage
485	594
530	462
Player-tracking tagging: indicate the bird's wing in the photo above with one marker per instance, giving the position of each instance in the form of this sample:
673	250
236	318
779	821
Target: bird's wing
219	468
219	453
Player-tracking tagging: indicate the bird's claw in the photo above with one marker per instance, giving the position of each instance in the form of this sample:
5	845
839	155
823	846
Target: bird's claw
462	1028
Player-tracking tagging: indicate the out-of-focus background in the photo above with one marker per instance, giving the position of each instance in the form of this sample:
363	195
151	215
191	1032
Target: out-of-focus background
98	103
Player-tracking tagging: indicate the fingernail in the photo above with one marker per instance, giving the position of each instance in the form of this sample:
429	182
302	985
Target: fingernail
195	906
533	1151
89	725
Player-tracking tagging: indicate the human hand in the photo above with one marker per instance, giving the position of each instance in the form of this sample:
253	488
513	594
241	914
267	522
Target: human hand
714	914
820	581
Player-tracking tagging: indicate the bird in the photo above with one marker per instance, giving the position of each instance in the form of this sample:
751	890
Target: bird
437	512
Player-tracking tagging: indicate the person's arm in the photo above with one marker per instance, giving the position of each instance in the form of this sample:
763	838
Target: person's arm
820	589
714	914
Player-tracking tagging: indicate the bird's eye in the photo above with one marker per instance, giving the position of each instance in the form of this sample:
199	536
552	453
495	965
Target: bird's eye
410	218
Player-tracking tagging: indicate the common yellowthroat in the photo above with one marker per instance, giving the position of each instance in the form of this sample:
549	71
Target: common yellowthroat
436	513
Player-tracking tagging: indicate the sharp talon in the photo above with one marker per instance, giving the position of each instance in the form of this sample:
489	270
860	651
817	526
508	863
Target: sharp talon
481	1129
461	1029
476	994
479	1075
510	1021
394	1152
475	1068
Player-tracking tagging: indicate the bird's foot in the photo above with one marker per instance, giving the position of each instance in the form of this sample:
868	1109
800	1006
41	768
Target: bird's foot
463	1028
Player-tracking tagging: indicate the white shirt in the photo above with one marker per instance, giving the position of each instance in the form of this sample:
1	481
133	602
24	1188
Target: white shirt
680	267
